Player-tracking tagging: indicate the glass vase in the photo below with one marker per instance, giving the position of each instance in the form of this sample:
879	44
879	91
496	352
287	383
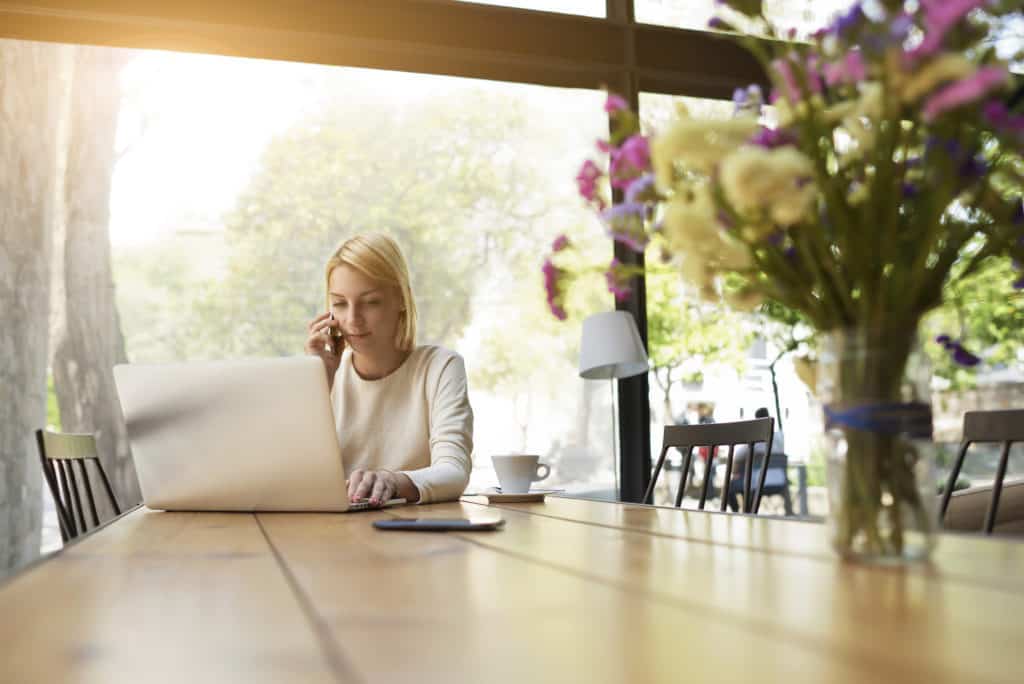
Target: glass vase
880	457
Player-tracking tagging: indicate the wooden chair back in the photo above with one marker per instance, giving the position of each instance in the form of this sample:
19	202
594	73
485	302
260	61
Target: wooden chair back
686	437
59	454
1005	427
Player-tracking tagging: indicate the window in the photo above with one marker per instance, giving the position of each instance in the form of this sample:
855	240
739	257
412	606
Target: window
235	178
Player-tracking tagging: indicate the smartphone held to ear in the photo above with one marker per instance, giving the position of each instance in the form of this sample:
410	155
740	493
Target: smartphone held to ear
335	336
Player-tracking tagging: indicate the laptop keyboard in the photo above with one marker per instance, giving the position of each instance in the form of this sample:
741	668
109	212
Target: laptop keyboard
364	504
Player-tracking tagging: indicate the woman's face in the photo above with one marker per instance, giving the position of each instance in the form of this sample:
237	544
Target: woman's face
368	310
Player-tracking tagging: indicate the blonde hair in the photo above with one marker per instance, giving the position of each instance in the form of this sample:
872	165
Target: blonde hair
380	259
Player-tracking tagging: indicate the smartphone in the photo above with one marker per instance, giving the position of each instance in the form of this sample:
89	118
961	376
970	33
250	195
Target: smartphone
336	337
439	524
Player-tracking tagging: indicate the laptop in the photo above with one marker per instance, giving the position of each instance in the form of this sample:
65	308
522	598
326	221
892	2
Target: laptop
252	435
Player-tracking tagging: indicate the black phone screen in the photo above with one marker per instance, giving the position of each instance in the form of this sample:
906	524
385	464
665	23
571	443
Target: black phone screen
439	524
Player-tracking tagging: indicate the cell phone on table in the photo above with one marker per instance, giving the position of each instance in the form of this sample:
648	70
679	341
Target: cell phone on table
439	524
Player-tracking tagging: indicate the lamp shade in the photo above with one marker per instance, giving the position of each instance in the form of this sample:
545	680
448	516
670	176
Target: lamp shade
611	347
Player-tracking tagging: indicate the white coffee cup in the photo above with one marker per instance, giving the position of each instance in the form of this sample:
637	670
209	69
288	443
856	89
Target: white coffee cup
517	471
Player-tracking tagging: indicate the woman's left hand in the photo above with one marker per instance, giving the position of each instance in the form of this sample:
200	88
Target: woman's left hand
380	485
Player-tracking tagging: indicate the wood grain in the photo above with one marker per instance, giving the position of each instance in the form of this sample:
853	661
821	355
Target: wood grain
959	558
482	607
906	624
567	591
160	597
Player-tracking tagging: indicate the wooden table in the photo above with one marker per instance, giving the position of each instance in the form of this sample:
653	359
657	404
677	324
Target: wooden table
569	591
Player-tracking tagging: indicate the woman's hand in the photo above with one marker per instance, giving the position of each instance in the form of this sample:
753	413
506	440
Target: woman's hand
325	340
380	485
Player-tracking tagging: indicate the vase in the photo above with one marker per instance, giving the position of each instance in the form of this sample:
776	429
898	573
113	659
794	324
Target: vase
880	457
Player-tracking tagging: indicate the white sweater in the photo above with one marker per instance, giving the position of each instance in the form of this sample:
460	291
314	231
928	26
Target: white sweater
417	420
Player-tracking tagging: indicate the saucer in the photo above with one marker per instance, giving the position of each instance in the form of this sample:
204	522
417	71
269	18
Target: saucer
496	496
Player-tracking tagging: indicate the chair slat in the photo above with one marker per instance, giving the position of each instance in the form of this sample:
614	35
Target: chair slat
88	491
65	497
709	471
997	488
683	475
76	497
728	479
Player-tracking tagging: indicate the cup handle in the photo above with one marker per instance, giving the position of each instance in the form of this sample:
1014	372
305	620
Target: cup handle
547	471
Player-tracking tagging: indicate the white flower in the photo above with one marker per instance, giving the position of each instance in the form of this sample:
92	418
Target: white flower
777	181
698	145
700	244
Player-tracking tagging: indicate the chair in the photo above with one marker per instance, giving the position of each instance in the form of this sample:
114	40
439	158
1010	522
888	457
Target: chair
59	453
713	435
986	426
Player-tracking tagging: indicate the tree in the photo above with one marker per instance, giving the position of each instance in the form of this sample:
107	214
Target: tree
444	181
686	335
30	107
90	341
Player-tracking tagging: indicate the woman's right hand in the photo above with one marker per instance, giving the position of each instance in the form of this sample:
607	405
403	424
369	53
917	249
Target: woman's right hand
321	342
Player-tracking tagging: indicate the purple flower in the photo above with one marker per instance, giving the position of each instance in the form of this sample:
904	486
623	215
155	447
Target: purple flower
560	243
586	181
1000	117
958	351
748	99
603	146
939	17
639	186
848	22
909	190
965	91
626	224
615	103
772	137
850	69
618	282
785	70
964	357
717	24
900	27
1018	284
632	159
552	286
973	168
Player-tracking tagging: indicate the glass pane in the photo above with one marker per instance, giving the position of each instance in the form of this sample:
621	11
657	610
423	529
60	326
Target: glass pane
586	8
224	184
803	15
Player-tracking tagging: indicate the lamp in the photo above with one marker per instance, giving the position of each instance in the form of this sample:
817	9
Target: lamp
610	348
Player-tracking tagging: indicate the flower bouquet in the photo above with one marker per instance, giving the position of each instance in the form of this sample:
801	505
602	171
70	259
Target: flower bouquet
892	170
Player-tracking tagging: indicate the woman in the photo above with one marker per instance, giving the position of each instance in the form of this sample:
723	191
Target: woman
402	411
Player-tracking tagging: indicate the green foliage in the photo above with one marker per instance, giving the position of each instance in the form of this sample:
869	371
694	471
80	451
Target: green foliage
52	409
987	314
683	331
